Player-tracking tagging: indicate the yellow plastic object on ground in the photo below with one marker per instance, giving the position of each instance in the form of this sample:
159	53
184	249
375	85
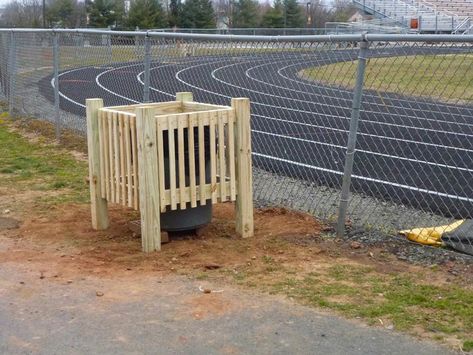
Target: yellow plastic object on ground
431	235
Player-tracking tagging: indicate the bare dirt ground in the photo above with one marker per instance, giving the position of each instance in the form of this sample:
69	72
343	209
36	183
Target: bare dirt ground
60	243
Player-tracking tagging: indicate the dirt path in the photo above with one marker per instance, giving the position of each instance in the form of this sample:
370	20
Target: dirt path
169	315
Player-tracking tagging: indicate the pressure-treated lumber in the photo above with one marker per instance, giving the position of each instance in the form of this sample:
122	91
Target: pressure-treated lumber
148	174
244	176
201	160
128	164
134	150
192	171
213	157
128	150
98	204
181	121
184	97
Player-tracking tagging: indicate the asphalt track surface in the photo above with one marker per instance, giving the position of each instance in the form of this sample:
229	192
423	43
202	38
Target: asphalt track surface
409	150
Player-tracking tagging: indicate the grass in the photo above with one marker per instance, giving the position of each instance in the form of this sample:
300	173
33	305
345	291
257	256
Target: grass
402	299
468	345
409	302
445	77
41	166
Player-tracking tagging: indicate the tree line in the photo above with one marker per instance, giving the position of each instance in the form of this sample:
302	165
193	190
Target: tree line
147	14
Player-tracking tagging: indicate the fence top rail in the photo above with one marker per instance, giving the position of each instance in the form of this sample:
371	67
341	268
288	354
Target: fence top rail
435	38
197	36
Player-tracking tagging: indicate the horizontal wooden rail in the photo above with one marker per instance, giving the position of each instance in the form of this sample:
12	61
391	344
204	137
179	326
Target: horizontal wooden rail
192	154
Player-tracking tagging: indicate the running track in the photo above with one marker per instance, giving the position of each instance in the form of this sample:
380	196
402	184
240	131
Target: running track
409	150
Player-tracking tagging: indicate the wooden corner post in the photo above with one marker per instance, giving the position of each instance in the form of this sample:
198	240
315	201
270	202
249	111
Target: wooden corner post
184	96
148	179
98	204
244	173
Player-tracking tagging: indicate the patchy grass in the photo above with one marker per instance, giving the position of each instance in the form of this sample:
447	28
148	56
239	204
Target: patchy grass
445	77
404	301
467	345
40	166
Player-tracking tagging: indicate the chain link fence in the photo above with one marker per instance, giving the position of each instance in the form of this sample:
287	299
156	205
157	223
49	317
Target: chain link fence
372	131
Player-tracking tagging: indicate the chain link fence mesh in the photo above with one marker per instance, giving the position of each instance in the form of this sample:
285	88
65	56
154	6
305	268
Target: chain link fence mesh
413	165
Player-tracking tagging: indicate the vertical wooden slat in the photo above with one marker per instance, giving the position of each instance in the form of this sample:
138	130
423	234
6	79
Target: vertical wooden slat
187	97
134	149
128	162
201	159
161	169
172	162
244	177
101	154
122	160
192	179
148	173
116	150
213	158
221	155
181	121
112	155
97	203
231	154
106	146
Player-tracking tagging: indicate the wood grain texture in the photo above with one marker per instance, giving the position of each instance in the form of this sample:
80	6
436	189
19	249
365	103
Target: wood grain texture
134	150
148	173
129	175
98	204
192	172
244	175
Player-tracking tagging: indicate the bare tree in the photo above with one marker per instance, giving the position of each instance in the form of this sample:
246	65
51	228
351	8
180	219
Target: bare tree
22	13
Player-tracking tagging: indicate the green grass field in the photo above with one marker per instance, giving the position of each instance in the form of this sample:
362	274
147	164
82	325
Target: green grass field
445	77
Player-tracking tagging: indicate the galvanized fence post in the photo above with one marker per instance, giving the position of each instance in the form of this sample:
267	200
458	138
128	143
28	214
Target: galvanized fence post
12	73
147	64
57	112
109	46
352	135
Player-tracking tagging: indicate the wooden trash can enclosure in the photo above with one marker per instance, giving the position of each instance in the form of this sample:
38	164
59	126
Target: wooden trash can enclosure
162	158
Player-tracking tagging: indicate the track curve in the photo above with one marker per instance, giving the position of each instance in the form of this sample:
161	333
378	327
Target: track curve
409	150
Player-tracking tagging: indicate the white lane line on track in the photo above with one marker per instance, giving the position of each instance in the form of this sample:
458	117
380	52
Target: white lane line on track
63	95
407	187
323	143
436	193
266	117
110	91
365	94
272	106
327	105
364	151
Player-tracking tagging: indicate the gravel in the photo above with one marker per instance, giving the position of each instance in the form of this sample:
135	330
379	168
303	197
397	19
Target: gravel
373	222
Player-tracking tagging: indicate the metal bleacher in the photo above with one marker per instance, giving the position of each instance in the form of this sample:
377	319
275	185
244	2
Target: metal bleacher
433	16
